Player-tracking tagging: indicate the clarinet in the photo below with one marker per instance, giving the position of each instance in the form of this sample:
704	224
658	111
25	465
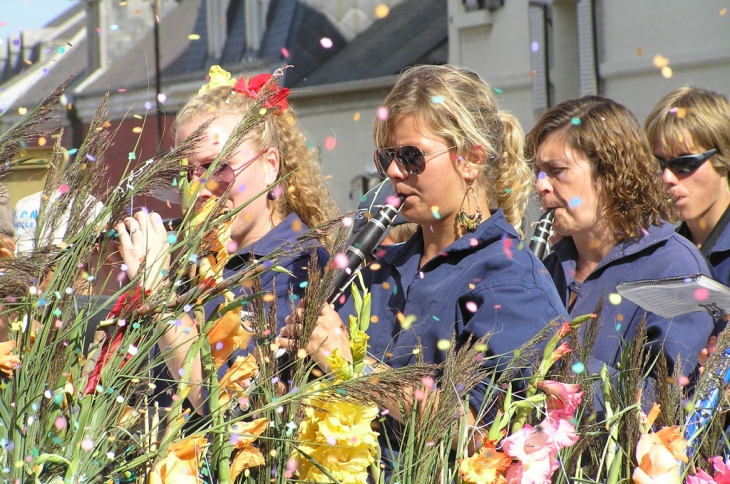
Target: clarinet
363	244
539	240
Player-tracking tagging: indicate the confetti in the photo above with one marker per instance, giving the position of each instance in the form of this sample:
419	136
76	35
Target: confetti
347	221
578	368
60	423
285	52
435	212
161	98
194	37
394	201
534	47
575	121
660	61
615	298
329	143
87	444
326	42
471	306
701	293
382	11
437	99
498	90
667	72
723	12
443	344
575	202
383	113
22	111
132	350
114	27
340	261
356	117
639	51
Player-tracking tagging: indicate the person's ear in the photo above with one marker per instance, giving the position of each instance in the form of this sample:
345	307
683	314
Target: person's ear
470	164
272	164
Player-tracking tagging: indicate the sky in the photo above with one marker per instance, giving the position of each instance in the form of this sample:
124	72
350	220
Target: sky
18	15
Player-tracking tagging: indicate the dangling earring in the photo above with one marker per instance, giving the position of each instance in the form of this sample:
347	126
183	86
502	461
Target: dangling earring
275	192
469	223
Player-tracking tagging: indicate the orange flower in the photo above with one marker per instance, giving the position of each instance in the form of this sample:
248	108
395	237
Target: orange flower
180	466
486	466
233	381
226	336
657	454
8	362
247	455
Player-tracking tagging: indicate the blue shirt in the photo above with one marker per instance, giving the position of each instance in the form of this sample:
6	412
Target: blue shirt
719	256
659	253
483	283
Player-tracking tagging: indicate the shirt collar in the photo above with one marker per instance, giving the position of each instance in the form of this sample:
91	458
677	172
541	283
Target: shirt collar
286	232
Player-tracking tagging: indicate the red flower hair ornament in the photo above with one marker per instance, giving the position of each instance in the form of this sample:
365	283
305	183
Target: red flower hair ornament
253	87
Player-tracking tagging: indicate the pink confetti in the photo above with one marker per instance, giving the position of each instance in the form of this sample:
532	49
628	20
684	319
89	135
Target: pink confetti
383	113
347	221
683	380
162	98
63	189
285	52
329	143
507	247
471	306
473	242
231	247
393	200
419	394
60	423
326	42
701	293
87	444
340	261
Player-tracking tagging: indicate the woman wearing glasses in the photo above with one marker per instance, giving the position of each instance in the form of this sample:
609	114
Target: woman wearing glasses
689	130
448	149
595	169
275	148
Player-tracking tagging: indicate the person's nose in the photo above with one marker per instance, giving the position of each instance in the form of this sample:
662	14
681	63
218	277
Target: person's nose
395	171
669	178
542	185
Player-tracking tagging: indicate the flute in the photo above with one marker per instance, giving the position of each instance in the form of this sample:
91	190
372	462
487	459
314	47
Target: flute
540	238
364	244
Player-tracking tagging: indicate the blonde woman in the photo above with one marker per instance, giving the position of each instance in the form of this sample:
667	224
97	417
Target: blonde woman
452	153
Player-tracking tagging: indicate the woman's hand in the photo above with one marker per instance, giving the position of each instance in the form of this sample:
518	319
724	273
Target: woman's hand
329	333
143	239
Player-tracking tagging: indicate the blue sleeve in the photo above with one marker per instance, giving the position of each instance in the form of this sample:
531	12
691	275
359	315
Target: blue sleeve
511	313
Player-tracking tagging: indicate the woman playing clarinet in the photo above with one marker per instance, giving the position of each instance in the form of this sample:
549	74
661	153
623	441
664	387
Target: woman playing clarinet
452	153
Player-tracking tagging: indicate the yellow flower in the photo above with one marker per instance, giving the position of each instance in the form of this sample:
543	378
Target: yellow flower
340	366
336	433
8	362
218	77
242	369
358	345
180	466
247	456
486	466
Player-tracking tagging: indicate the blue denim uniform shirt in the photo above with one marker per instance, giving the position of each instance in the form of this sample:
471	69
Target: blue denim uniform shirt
719	256
659	253
485	282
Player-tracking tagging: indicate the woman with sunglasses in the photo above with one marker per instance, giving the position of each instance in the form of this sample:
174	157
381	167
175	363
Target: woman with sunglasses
689	130
595	169
274	149
452	153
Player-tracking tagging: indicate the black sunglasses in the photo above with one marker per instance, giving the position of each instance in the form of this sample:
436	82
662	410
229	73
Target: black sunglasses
683	165
410	158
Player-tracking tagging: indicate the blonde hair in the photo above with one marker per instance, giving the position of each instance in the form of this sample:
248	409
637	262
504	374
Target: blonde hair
304	190
457	105
702	115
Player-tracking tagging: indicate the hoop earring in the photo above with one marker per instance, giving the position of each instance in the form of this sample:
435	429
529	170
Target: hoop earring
469	223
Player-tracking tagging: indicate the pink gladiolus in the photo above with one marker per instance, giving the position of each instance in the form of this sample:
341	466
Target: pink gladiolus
722	470
701	478
513	475
536	447
564	330
559	352
562	398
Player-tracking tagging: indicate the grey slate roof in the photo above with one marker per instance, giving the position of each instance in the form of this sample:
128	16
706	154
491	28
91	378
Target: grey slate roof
414	32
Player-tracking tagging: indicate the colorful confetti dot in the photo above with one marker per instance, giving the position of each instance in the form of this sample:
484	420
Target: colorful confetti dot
578	368
701	294
575	121
382	113
437	99
471	306
534	46
326	42
194	37
329	143
382	11
443	344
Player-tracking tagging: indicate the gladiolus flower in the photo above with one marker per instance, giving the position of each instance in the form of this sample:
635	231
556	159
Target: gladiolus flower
226	336
560	352
722	470
486	466
180	466
247	456
537	447
562	398
8	362
340	367
657	454
701	478
233	382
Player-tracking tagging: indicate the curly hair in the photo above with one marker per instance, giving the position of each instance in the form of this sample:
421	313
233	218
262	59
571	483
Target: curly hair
304	191
623	165
457	105
690	115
